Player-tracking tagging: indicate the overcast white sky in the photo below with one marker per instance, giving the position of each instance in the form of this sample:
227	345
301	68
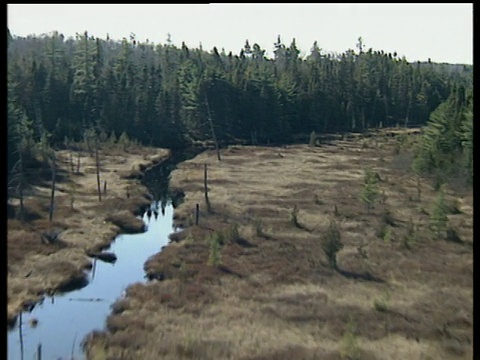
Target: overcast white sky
442	32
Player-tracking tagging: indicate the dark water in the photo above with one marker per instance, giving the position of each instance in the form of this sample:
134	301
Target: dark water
64	320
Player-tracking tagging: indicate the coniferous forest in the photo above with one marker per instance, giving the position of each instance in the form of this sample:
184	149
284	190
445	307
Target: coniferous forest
63	89
335	214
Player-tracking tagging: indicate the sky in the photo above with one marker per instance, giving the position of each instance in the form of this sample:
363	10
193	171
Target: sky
441	32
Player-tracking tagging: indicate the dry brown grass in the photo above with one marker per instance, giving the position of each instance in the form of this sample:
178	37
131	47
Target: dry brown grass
276	298
36	266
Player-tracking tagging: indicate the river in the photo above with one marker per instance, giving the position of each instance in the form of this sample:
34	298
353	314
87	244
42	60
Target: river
59	324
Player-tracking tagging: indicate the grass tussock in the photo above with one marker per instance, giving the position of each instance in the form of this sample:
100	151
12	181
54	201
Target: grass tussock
126	221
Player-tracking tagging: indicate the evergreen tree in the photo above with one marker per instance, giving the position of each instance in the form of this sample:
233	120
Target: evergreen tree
438	217
332	244
156	93
370	190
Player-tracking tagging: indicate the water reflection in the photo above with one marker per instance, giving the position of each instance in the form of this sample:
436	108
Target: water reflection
56	326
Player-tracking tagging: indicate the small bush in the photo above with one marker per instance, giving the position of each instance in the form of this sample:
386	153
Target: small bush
349	348
124	141
438	182
381	304
369	193
231	233
214	256
438	217
332	244
388	235
219	237
387	218
112	140
381	230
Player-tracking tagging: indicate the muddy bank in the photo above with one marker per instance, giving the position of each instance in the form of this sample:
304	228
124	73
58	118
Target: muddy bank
46	257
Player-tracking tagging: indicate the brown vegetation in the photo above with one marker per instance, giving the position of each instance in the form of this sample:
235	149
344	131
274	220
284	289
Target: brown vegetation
43	256
398	292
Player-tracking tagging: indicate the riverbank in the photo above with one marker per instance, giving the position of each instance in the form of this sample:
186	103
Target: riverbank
46	257
251	280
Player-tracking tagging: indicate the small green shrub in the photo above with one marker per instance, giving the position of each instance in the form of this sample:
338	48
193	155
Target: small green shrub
214	256
232	233
332	244
349	348
381	304
388	235
438	216
409	238
369	193
381	230
111	141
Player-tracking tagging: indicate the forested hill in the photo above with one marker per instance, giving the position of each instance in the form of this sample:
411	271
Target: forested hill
163	95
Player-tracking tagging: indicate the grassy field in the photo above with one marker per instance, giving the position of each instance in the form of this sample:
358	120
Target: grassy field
45	256
252	279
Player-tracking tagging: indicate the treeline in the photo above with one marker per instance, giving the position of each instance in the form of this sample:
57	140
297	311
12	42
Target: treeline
163	95
446	150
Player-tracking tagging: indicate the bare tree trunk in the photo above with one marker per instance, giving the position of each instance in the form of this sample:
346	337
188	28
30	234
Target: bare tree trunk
73	347
20	334
20	188
71	162
94	268
52	198
212	129
205	181
98	170
197	211
78	163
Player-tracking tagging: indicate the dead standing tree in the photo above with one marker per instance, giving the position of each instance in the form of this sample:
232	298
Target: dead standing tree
212	129
97	163
17	184
205	186
52	196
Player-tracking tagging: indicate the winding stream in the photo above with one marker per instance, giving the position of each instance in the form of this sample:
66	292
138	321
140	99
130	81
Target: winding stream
65	319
